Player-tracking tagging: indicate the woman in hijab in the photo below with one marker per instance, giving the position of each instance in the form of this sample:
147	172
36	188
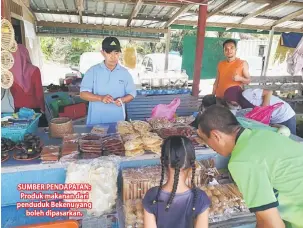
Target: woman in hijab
27	89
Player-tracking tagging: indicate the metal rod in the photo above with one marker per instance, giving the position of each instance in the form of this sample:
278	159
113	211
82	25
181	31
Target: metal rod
271	36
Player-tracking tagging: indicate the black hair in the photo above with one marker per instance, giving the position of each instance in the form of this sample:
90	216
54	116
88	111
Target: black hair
229	41
178	153
207	101
219	118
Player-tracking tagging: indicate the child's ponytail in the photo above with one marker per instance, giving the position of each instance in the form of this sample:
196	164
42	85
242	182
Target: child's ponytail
173	193
193	166
161	181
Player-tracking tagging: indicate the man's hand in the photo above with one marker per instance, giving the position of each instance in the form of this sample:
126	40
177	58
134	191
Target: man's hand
107	99
119	102
238	78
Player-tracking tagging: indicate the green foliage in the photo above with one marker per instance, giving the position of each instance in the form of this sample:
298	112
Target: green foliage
67	50
47	46
177	39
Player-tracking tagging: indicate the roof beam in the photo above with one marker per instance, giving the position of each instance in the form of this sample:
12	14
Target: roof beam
47	34
273	6
182	10
149	2
99	15
142	18
196	2
288	17
239	26
220	8
100	27
135	12
260	1
80	7
259	16
26	2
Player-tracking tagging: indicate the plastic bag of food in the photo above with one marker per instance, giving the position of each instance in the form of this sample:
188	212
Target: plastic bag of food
113	145
50	154
90	143
101	175
178	130
152	142
100	130
71	138
130	57
133	211
141	126
124	128
158	123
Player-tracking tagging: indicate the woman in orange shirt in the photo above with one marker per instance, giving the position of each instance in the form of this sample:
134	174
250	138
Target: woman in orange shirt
232	71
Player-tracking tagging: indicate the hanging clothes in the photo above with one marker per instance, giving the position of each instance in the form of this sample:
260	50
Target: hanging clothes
291	39
295	61
27	89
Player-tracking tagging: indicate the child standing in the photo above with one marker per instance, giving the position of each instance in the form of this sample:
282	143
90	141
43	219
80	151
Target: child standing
174	204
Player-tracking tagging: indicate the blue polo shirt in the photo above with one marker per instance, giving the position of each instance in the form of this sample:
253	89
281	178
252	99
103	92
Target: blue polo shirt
100	80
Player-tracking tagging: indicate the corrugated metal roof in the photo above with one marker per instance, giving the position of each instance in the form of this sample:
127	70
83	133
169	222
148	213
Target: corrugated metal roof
212	5
154	15
283	11
258	21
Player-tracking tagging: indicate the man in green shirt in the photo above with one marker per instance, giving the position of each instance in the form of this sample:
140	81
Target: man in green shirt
266	166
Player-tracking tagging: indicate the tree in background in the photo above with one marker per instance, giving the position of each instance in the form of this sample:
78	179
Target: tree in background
67	50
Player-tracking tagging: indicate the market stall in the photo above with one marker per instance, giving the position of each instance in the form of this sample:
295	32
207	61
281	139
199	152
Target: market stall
47	157
131	147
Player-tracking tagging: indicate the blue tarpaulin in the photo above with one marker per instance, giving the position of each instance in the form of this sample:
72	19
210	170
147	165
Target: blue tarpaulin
290	40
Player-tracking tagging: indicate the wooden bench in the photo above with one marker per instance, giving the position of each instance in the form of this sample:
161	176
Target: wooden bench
281	84
289	88
141	107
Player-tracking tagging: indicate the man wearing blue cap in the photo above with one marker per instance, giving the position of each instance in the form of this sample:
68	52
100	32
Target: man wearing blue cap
107	86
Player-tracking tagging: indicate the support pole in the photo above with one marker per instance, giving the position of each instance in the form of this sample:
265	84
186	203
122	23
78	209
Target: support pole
167	45
199	48
271	37
5	10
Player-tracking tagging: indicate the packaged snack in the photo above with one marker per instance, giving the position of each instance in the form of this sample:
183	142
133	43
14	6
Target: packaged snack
71	138
100	130
50	153
112	144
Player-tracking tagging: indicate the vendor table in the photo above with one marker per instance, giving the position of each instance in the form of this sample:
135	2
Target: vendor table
15	172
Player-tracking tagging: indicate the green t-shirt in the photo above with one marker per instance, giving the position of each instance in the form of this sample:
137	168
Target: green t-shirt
268	169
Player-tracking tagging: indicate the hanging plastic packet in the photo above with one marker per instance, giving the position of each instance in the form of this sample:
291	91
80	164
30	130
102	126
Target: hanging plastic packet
130	57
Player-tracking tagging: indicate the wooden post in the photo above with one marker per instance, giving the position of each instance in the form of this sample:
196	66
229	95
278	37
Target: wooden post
271	37
199	48
167	44
5	9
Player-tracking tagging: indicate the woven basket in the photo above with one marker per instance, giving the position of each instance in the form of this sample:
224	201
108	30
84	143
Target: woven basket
60	126
7	34
7	60
13	47
7	79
